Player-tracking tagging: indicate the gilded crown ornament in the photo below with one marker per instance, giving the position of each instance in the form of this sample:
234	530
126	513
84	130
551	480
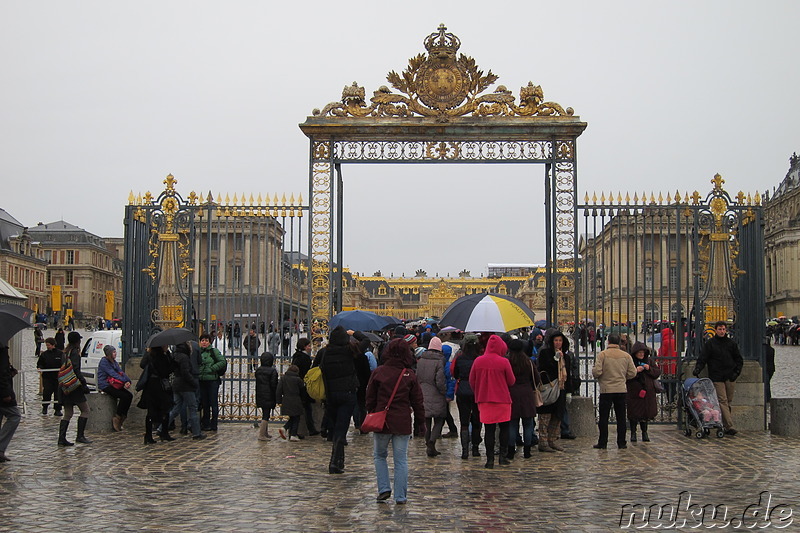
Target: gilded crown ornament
442	84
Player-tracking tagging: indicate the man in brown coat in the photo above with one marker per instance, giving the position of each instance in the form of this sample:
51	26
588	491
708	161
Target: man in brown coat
612	369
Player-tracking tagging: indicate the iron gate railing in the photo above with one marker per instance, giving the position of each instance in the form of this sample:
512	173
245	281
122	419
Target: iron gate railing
218	266
661	271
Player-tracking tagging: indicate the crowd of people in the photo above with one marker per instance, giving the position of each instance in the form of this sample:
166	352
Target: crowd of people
497	382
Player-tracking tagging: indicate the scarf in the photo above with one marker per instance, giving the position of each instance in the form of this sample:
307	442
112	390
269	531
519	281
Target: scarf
562	372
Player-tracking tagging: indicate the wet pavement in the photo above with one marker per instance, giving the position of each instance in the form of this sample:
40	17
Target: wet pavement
232	482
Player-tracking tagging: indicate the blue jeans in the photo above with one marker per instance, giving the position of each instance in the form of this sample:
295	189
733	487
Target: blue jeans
189	401
380	452
527	431
209	399
340	407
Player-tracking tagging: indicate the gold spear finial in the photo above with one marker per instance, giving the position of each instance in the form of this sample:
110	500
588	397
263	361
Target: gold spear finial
660	199
757	198
740	198
594	197
635	197
131	198
677	197
586	198
602	197
669	198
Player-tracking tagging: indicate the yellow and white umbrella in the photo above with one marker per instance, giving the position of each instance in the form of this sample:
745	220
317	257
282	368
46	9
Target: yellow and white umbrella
488	312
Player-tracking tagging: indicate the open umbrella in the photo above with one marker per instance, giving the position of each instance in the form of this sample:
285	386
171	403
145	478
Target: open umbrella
171	336
13	318
371	336
448	329
358	320
541	324
488	312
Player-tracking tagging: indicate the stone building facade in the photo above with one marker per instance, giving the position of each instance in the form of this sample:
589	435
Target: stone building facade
782	243
88	274
22	262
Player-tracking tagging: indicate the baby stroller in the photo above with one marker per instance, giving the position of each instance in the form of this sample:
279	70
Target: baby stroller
701	406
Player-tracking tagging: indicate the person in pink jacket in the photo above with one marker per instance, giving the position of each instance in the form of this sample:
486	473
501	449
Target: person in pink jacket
490	378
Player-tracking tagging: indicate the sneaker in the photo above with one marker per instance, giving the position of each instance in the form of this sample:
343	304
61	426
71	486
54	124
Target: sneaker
568	436
383	496
201	436
294	438
282	433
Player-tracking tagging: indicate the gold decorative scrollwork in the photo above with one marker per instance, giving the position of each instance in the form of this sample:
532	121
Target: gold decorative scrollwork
442	84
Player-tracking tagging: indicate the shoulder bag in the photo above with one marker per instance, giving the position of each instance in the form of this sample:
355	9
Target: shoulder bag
377	421
549	391
67	379
315	384
537	396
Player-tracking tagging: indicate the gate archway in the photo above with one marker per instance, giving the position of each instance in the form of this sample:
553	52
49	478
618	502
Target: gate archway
442	113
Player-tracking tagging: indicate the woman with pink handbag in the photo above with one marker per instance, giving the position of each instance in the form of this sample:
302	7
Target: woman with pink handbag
114	382
393	388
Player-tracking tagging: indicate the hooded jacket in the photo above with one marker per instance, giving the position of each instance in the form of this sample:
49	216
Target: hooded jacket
338	364
491	374
430	373
408	396
184	379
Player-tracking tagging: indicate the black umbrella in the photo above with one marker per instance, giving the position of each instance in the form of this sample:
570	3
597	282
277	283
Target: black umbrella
13	318
171	336
372	337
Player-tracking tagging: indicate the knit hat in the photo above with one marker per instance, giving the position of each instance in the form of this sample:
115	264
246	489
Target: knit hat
108	350
435	344
74	337
400	330
410	338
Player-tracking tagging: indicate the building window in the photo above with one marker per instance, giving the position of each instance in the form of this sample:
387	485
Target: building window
648	278
237	277
673	278
238	242
214	242
70	257
647	245
48	277
673	243
214	275
47	255
382	290
70	278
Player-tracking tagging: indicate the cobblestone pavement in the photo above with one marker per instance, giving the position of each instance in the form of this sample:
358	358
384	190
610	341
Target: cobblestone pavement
232	482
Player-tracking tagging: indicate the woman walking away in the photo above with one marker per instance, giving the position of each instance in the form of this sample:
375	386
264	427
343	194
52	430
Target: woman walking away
113	381
338	367
156	397
266	392
290	396
394	372
522	398
465	398
553	365
430	373
491	378
76	397
642	399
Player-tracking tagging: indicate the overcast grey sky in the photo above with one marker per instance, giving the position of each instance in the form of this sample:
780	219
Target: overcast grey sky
100	98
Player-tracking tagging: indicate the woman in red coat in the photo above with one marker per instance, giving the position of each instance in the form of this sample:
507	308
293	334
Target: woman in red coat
490	377
397	361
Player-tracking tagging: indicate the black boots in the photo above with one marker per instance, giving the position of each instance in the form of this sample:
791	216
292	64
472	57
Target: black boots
475	451
645	437
81	429
62	434
431	449
526	452
336	465
633	430
512	451
148	431
503	457
44	409
465	444
164	433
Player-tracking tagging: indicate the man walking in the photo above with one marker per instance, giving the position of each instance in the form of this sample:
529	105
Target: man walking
613	368
724	361
9	412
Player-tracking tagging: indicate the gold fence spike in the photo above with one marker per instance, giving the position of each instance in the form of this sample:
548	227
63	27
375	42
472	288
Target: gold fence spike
586	198
602	197
283	199
594	197
244	199
669	199
677	197
227	199
660	199
619	198
251	199
300	203
275	199
627	198
635	197
611	197
131	198
291	199
749	199
235	199
210	198
260	200
139	199
652	198
757	198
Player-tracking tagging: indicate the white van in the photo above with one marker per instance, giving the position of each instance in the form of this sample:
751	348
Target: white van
93	351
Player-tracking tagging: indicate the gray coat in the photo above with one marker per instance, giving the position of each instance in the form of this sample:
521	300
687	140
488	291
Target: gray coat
430	374
290	394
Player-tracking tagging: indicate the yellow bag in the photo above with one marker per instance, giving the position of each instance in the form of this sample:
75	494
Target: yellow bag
315	385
